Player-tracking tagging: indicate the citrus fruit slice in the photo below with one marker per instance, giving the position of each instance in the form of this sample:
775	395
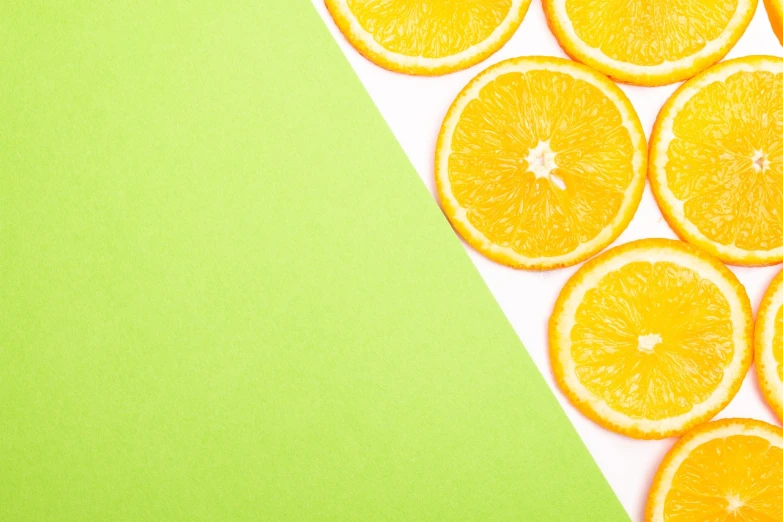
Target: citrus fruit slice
716	161
540	162
648	43
727	470
651	338
775	13
769	345
427	37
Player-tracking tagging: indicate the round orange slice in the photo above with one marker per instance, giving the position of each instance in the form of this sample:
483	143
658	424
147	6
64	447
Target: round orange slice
648	43
716	161
651	338
728	470
540	162
427	37
769	345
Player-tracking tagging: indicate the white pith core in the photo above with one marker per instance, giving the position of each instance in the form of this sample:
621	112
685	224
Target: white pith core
681	453
649	341
659	157
541	162
472	91
734	503
732	372
760	161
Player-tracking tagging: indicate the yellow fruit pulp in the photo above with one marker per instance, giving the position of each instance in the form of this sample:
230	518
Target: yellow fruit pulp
736	478
649	32
652	339
429	28
726	160
540	160
777	342
769	345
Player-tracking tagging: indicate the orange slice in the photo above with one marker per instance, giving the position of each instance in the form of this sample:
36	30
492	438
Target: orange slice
728	470
716	161
540	162
775	13
651	338
769	345
427	37
648	43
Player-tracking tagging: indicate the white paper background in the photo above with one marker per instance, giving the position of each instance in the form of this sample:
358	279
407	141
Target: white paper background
414	108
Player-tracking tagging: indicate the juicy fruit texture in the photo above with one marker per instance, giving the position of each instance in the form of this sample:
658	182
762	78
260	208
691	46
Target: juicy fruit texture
518	186
728	176
540	162
777	342
725	470
429	28
716	164
651	338
769	345
427	36
648	43
723	462
649	33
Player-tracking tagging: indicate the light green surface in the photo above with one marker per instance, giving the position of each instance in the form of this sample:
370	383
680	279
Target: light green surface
225	295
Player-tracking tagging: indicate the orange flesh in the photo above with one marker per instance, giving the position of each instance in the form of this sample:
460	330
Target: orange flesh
652	339
429	28
777	341
737	478
589	154
649	32
726	160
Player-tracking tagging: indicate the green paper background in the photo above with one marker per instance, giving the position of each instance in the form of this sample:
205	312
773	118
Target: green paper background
225	294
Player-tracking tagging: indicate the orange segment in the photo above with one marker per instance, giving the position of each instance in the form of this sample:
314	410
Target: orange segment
769	345
716	165
775	13
458	25
651	338
427	36
648	43
540	162
641	325
777	343
722	471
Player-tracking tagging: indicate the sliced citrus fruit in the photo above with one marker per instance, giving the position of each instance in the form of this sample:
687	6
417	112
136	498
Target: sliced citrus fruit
775	13
769	345
540	162
716	161
651	338
648	43
427	37
727	470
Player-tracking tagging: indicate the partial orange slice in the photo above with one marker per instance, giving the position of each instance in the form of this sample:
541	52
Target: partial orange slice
540	162
651	338
716	161
427	37
645	42
769	345
723	471
775	14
